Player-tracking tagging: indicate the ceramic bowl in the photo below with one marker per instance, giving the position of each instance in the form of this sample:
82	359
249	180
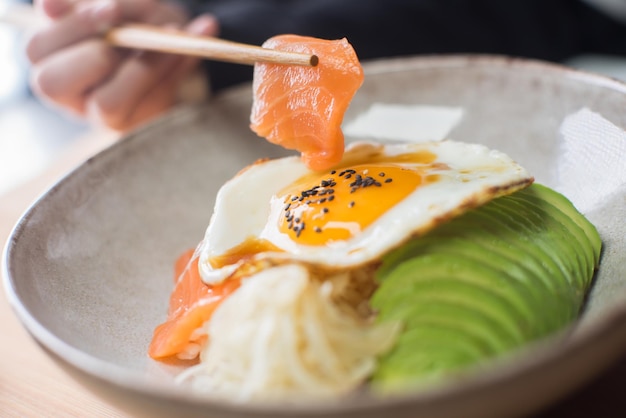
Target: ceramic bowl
88	268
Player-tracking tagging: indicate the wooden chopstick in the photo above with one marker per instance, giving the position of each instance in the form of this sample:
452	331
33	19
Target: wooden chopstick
152	38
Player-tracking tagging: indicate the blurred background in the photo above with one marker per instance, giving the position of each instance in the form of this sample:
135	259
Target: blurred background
32	135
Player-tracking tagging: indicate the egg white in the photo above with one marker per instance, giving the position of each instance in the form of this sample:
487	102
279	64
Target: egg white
469	175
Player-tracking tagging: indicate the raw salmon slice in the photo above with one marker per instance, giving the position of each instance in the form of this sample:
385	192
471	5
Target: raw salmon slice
301	108
192	303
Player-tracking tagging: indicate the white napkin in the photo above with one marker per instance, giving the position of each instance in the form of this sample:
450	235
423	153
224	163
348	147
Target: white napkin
593	162
410	123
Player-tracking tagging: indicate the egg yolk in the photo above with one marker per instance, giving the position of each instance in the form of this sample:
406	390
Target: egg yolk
322	207
337	205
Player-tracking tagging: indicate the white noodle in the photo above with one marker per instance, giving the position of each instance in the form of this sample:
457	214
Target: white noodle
280	335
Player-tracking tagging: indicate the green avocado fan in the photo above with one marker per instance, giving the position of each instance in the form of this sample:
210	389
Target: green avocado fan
483	284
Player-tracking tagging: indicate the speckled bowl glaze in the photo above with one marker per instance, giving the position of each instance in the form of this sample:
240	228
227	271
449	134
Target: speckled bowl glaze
88	267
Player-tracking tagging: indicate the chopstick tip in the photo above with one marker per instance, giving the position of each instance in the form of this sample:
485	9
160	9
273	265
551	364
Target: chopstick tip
314	60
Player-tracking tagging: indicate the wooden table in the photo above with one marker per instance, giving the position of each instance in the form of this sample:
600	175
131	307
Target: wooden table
33	385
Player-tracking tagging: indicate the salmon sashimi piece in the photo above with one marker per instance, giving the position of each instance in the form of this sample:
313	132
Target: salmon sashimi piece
300	107
192	303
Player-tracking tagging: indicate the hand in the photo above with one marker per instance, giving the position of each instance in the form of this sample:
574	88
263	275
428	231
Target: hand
75	69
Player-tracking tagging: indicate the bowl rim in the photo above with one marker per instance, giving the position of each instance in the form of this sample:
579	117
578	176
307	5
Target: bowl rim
430	61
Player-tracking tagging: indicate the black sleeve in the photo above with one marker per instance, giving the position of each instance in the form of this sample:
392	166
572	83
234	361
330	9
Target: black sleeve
545	29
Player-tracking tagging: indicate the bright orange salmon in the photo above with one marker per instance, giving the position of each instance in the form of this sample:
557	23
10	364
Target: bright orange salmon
298	108
301	108
191	304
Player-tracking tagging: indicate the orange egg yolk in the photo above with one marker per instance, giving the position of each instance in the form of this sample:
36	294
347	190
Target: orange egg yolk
337	205
322	207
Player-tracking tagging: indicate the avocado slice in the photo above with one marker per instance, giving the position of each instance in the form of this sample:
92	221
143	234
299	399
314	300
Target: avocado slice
514	265
442	352
572	255
591	243
541	192
483	284
488	332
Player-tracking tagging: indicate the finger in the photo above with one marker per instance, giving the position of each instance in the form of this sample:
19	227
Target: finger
54	9
73	28
166	13
113	102
155	103
145	86
91	63
87	19
205	24
163	98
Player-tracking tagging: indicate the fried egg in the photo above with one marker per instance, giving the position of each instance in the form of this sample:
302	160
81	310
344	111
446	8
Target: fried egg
278	211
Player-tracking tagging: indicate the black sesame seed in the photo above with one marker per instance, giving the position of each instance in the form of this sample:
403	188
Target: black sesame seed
297	220
388	180
351	204
287	206
381	174
322	200
325	210
368	181
318	229
331	198
333	172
